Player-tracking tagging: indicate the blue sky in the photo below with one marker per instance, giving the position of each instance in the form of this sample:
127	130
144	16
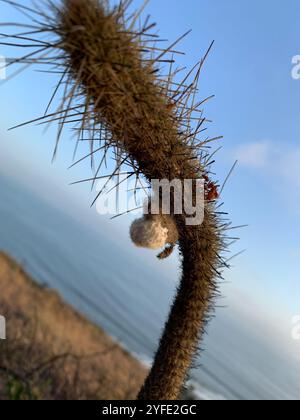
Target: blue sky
256	109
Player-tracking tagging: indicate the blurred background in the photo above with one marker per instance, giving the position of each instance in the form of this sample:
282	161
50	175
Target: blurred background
49	227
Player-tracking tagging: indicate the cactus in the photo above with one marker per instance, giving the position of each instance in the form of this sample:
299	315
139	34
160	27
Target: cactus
115	94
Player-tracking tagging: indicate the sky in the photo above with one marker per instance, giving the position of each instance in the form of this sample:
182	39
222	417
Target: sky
256	110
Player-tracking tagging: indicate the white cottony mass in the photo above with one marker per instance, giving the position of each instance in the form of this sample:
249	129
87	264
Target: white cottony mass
2	328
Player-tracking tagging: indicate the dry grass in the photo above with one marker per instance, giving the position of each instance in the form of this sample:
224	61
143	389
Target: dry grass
52	352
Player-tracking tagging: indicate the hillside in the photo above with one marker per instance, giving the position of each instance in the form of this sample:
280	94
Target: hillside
53	352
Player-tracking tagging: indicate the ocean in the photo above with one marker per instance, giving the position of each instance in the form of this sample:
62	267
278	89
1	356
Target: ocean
129	299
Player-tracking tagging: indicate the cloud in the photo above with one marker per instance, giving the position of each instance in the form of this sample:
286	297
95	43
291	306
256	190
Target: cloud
290	165
278	160
254	155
